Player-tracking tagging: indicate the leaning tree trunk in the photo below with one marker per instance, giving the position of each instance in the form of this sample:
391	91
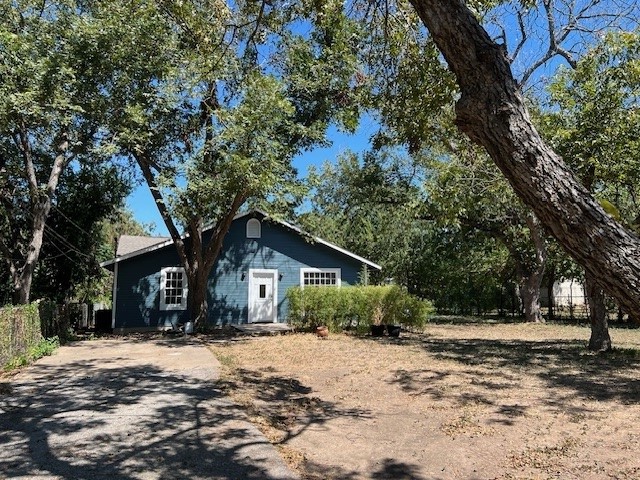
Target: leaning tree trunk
492	112
600	340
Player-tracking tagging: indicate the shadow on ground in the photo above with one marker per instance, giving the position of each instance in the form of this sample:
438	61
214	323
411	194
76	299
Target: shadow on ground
493	368
93	419
285	403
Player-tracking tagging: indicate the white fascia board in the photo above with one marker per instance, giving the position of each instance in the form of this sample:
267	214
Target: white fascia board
330	245
241	215
135	253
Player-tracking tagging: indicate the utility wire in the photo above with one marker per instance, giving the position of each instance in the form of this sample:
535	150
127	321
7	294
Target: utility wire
69	220
66	243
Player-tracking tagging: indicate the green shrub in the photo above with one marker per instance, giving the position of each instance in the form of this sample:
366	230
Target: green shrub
357	307
45	347
19	331
21	340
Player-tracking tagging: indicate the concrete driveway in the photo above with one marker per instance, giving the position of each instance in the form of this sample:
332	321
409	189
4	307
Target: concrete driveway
129	409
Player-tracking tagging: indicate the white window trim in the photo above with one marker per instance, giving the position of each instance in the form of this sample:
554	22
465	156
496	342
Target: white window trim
337	271
163	282
256	225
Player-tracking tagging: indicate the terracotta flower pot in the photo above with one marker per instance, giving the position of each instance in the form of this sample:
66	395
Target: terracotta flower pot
322	331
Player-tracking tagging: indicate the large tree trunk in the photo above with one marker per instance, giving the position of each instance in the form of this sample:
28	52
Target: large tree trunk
530	295
530	271
197	297
551	280
600	340
492	112
22	277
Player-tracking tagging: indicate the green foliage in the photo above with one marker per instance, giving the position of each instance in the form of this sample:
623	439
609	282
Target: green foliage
73	245
375	205
358	306
220	115
52	112
20	331
42	349
593	121
368	204
213	99
408	85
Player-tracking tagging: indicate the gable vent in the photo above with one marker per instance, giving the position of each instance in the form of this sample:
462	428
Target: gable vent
254	228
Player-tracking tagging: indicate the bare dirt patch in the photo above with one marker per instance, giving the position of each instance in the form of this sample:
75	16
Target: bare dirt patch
473	401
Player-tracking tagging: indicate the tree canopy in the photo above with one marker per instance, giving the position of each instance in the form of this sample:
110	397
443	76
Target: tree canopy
213	106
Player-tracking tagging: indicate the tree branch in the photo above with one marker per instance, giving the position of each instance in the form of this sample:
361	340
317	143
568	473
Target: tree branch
220	230
144	163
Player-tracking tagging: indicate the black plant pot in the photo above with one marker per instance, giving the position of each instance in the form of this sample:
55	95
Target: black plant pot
394	330
377	330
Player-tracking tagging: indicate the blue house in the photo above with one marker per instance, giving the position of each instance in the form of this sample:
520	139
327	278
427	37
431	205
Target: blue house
260	259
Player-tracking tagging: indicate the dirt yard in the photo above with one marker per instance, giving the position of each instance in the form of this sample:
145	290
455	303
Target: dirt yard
473	401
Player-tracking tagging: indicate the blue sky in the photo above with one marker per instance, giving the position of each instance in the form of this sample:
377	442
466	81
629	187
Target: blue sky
143	206
141	203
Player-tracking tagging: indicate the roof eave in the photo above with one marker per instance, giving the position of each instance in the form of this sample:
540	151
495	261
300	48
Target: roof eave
241	215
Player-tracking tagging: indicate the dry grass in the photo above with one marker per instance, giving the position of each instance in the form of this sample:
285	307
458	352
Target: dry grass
458	401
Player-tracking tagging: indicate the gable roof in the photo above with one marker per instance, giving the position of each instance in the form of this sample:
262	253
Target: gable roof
133	243
144	245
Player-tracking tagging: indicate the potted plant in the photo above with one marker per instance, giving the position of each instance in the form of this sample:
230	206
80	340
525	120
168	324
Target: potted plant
394	330
377	327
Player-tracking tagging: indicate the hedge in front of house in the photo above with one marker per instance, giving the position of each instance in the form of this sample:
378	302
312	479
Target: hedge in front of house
359	306
19	331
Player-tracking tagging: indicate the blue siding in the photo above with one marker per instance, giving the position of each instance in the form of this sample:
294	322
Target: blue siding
137	300
138	291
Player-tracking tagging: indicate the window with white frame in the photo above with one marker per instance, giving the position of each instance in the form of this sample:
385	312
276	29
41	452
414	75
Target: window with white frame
173	289
254	228
319	277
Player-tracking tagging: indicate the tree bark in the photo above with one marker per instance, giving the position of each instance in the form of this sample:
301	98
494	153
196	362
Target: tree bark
197	258
492	112
600	340
41	206
551	280
197	296
530	295
531	298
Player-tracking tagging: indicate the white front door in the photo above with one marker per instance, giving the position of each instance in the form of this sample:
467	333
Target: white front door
263	295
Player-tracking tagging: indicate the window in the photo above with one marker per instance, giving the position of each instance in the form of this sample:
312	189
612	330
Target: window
173	289
320	277
254	228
